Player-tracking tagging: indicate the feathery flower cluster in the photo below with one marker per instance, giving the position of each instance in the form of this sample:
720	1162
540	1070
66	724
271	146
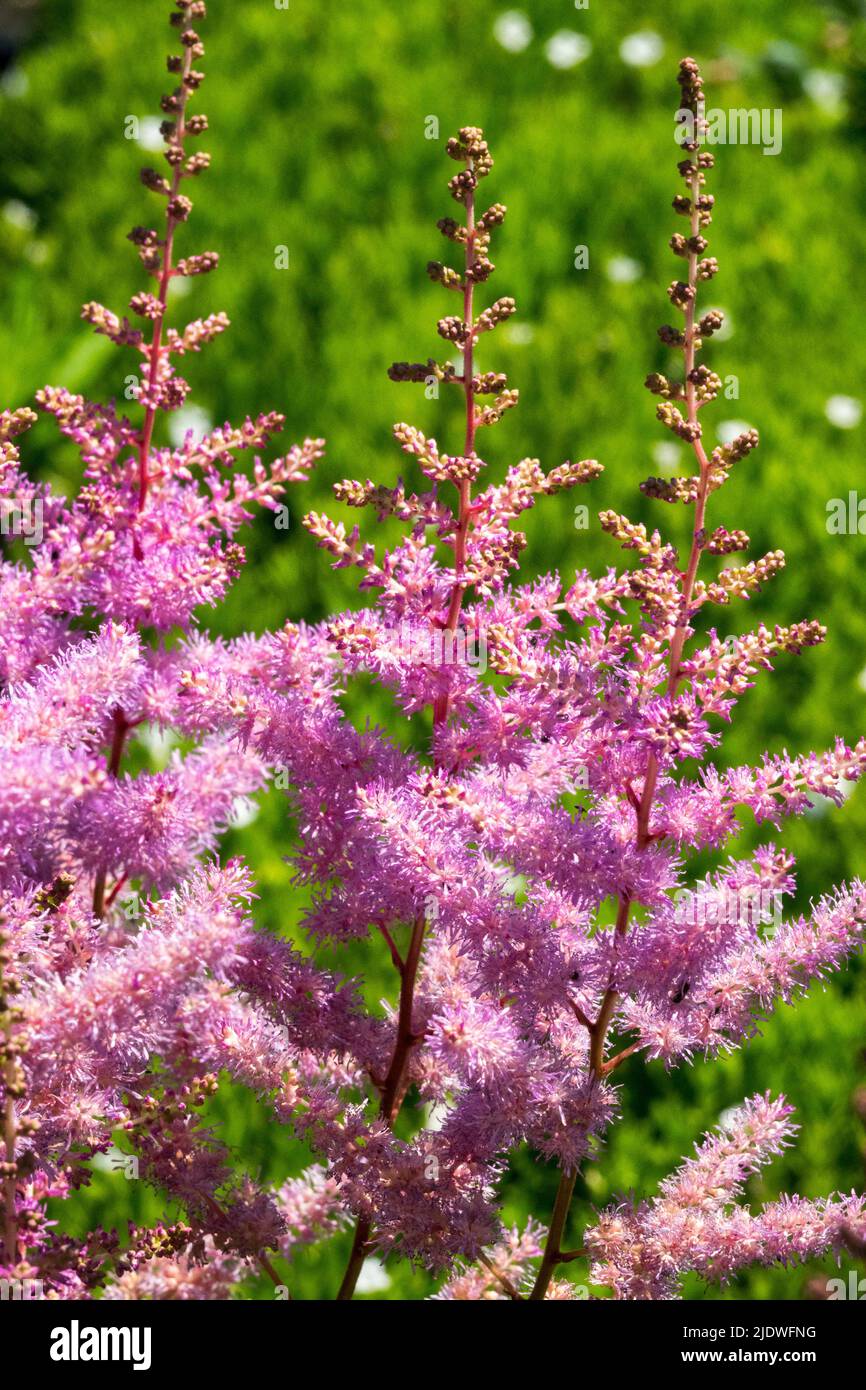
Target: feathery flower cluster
132	975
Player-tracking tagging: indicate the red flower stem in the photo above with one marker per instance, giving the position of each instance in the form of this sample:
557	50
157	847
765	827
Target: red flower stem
10	1224
500	1278
165	276
553	1246
464	515
121	729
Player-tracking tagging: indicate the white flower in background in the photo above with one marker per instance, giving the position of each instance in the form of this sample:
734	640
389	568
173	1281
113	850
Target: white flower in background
826	89
150	134
666	455
244	812
566	49
782	54
642	49
179	287
728	430
513	30
189	417
14	82
374	1277
623	270
19	215
519	333
158	742
845	412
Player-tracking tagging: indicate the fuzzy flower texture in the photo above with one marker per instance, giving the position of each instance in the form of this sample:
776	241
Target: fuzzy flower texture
133	979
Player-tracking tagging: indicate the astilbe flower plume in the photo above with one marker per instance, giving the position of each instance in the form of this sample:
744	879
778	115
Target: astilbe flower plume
554	763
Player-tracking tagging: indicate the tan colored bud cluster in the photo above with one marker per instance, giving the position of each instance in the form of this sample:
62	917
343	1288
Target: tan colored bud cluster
154	181
463	185
471	147
149	247
567	475
15	422
452	229
201	264
120	331
671	489
179	208
680	294
707	383
444	275
489	383
493	217
688	245
632	535
441	467
480	270
725	542
672	337
711	323
742	582
196	333
739	448
660	385
452	329
492	414
671	417
147	306
691	84
497	312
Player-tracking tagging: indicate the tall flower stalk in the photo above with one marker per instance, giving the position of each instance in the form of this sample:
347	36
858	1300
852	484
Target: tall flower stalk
470	149
696	388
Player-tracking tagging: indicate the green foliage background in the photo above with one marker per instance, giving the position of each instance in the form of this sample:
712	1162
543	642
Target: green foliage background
318	116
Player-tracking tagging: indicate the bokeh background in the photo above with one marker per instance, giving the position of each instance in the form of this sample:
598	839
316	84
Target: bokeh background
320	113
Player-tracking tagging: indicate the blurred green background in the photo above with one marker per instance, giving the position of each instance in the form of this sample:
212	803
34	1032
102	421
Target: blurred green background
320	115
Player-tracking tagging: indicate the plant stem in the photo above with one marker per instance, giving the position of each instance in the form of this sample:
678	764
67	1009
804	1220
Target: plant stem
121	728
500	1278
10	1225
552	1249
406	1038
357	1256
389	1105
166	272
440	709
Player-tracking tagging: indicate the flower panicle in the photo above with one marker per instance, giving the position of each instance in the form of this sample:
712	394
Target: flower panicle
477	531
